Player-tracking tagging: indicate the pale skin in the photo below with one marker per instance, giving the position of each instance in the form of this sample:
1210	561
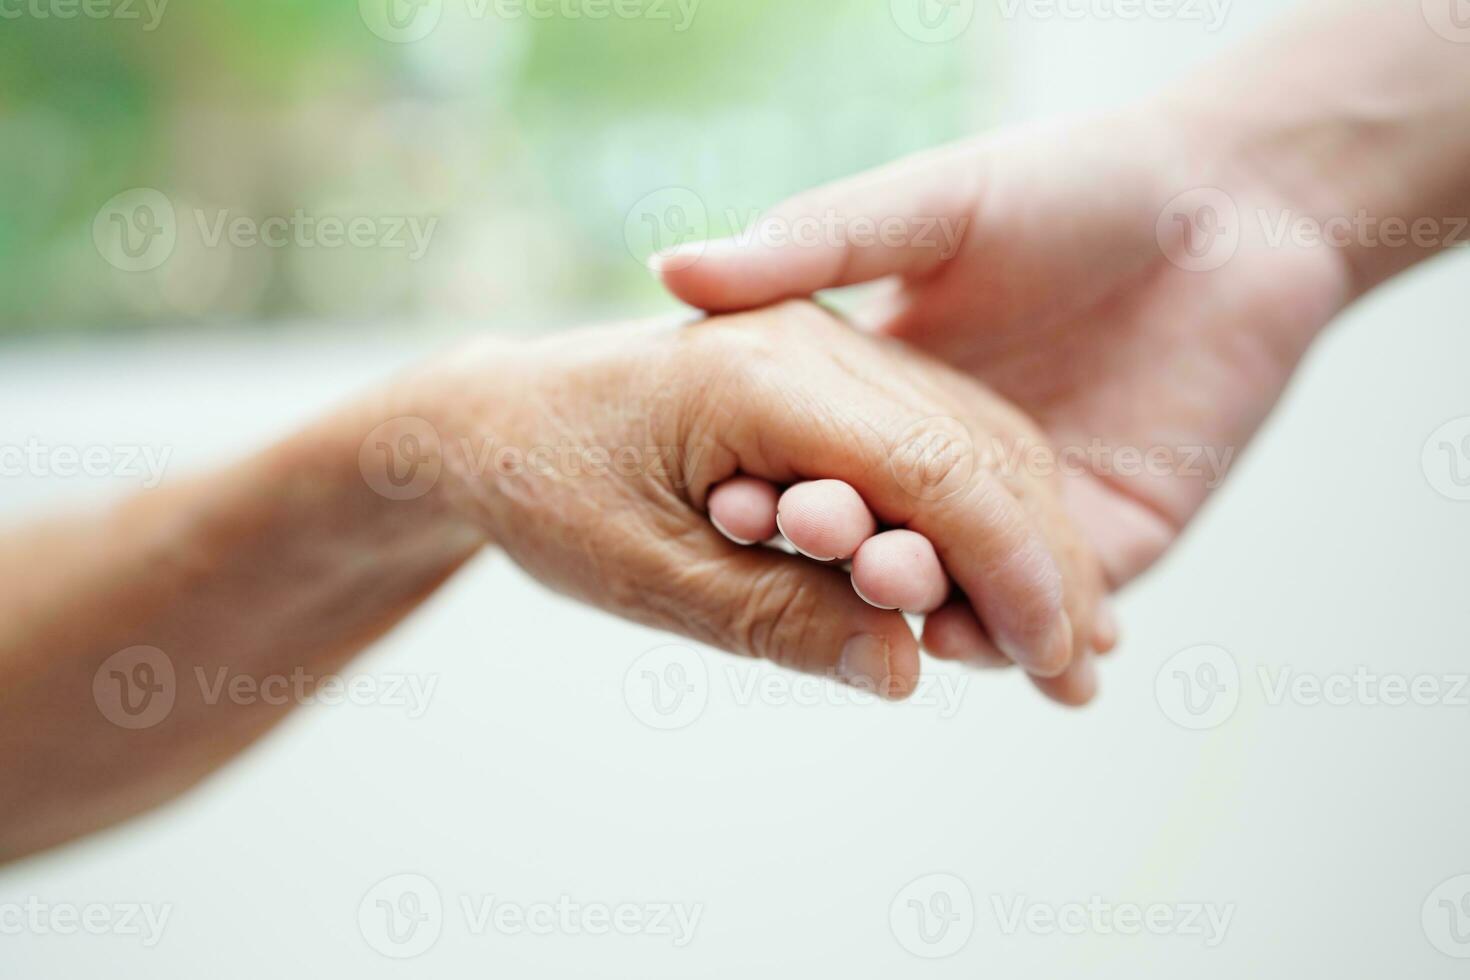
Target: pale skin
295	559
1083	292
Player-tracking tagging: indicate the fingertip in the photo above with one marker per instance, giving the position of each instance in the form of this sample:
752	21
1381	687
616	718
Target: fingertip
952	632
824	519
1074	687
743	509
721	275
1047	658
1105	627
900	570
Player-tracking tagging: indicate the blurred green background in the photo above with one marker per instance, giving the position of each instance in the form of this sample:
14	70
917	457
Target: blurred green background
546	144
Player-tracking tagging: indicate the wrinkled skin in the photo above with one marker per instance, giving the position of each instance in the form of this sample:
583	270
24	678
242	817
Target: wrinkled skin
1067	300
784	394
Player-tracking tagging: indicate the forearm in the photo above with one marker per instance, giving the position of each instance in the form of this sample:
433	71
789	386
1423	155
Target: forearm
284	565
1359	114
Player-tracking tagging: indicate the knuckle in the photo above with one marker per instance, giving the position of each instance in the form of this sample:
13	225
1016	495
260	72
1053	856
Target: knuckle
933	458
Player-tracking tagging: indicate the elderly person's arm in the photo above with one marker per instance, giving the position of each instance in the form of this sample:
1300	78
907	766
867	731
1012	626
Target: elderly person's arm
587	458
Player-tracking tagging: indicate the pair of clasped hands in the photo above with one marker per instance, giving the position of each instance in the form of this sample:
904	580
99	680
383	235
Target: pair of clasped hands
908	451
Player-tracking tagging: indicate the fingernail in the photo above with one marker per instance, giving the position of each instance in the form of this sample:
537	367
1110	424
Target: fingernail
678	257
1049	657
726	532
870	602
864	663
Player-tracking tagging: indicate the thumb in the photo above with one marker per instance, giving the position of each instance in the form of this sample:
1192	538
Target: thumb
906	218
794	613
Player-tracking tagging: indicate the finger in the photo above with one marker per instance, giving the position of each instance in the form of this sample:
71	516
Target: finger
1076	686
952	632
825	519
906	218
900	570
787	610
743	508
1105	628
914	471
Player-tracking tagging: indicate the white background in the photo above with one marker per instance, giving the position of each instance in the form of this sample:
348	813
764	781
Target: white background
795	827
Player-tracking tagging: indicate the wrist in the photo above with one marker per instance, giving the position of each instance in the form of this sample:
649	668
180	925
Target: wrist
1349	128
375	475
